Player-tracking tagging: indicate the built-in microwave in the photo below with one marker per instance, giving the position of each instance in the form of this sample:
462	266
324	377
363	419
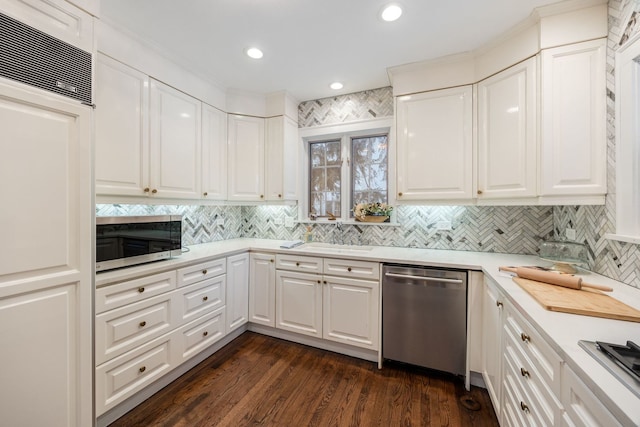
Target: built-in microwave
122	241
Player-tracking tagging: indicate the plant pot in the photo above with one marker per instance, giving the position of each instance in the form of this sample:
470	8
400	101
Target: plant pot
372	218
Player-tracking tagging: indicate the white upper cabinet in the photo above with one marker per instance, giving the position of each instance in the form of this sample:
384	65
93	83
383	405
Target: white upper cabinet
122	129
214	153
246	158
573	122
507	145
434	137
175	166
281	154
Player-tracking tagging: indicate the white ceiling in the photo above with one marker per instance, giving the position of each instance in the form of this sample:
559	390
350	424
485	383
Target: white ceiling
308	44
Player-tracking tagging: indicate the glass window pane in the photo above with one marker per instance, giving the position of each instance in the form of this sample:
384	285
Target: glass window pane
325	177
369	169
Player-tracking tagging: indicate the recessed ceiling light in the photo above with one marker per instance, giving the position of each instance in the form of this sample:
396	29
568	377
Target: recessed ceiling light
391	12
336	85
254	52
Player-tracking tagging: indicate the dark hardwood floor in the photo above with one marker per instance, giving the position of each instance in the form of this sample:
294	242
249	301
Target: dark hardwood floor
259	380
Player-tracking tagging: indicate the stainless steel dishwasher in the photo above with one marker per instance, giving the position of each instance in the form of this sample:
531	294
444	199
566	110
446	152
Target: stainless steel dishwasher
424	317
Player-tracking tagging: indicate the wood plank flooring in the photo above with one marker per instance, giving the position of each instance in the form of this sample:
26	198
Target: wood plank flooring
262	381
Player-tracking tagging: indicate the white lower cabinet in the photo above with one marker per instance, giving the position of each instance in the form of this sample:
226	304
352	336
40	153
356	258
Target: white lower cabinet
262	289
335	308
528	382
149	325
237	291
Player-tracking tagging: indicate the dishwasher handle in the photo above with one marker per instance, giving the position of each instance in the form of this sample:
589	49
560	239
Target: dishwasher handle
424	278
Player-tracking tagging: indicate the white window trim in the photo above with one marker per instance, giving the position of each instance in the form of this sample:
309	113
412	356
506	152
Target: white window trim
325	132
627	133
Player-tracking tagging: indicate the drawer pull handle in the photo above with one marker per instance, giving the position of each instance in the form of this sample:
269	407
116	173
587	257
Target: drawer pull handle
204	271
499	304
524	373
142	369
348	268
205	333
524	407
141	290
205	194
146	189
205	298
154	191
143	324
524	337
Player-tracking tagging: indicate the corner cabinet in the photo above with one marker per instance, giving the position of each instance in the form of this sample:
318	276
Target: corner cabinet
214	153
46	285
246	158
573	122
507	136
281	154
435	145
262	289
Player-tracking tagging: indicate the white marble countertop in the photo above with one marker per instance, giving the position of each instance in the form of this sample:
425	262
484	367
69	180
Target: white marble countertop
562	331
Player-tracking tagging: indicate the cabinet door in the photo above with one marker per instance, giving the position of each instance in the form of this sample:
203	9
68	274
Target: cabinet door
175	143
434	134
46	292
507	154
291	159
246	158
122	129
350	311
492	308
274	155
262	289
214	153
237	291
573	138
299	303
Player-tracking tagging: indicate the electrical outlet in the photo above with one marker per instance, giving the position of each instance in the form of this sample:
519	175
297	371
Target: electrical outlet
220	222
288	221
443	225
570	233
278	221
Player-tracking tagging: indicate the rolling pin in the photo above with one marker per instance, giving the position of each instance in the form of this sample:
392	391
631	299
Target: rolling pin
566	280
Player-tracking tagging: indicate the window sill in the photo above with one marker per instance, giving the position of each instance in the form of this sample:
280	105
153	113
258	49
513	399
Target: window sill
348	222
623	238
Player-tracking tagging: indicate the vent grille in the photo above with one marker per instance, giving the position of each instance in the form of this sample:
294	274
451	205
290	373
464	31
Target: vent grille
30	56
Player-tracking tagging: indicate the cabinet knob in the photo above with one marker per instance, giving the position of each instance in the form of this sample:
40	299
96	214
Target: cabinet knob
205	333
262	196
205	194
142	369
154	191
297	264
524	337
205	271
524	407
479	191
280	196
349	269
146	189
271	260
499	304
524	372
400	194
141	289
318	282
205	298
325	282
143	324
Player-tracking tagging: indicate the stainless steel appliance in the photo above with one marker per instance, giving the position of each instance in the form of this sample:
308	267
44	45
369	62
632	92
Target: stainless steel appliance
622	361
424	317
123	241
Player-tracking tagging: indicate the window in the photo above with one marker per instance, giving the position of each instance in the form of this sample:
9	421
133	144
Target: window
361	161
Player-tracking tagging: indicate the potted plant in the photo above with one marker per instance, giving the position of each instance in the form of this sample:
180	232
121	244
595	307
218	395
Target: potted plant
372	212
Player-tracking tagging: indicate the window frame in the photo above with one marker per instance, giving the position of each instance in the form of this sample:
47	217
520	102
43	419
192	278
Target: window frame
345	132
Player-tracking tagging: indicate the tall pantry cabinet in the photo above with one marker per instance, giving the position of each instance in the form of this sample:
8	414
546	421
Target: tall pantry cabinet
46	267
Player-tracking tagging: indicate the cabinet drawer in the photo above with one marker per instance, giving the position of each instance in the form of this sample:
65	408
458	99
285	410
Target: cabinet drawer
351	268
582	407
124	376
201	298
198	272
304	264
545	360
201	333
125	328
120	294
543	404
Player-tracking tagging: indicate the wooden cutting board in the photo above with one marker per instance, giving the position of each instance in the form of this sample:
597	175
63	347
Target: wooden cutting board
586	302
